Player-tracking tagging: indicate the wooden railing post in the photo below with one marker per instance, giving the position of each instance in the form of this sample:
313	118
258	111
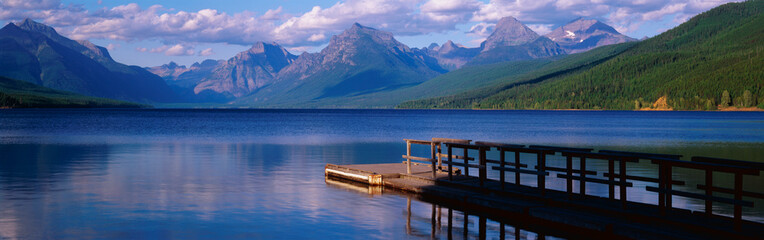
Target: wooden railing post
739	197
517	167
440	162
482	172
432	159
709	191
569	181
501	164
408	160
611	177
466	162
450	174
541	163
582	166
662	184
622	171
668	186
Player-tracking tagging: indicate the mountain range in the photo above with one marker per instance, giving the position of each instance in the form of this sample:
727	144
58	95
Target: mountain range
361	61
36	53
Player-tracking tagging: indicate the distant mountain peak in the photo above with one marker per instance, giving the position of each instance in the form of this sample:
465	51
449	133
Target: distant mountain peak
583	34
509	32
31	25
448	47
575	20
247	71
173	65
260	47
11	26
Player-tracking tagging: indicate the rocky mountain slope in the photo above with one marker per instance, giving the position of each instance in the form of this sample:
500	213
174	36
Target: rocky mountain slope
581	35
451	56
248	71
36	53
361	60
513	41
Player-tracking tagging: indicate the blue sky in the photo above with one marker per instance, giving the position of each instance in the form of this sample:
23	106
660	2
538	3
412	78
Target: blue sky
150	33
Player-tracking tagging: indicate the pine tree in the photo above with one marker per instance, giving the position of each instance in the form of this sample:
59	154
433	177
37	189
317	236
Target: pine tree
725	99
747	99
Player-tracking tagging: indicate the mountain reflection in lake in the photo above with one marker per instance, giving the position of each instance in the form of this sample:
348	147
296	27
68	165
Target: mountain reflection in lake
259	173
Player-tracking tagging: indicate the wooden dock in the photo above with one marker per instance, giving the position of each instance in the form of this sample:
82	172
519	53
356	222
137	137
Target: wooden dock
577	213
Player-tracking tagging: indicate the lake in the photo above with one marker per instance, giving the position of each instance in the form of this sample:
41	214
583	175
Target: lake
158	173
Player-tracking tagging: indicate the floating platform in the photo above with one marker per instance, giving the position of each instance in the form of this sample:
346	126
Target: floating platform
577	215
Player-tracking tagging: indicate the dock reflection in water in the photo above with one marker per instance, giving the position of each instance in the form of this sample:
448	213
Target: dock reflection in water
425	219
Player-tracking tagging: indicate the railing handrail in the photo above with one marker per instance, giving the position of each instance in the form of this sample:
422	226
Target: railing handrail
723	161
451	140
561	148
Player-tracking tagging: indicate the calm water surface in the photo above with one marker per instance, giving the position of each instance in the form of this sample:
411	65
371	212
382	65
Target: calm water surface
259	173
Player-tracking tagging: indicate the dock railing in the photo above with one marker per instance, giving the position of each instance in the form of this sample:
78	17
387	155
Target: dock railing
666	164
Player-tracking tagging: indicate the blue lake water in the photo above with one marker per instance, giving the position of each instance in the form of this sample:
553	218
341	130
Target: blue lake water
259	173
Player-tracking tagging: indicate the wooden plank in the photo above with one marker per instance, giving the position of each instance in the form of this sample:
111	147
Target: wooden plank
455	156
643	155
505	163
753	165
464	165
561	148
421	142
701	196
557	169
495	144
526	150
595	180
451	140
431	160
704	166
731	191
601	156
466	146
526	171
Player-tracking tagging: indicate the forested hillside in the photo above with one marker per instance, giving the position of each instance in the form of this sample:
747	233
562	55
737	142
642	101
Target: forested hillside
21	94
692	66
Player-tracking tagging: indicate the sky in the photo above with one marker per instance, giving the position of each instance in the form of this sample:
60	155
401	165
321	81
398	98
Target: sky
151	33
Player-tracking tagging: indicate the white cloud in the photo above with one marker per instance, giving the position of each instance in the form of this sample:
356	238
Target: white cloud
206	52
30	4
273	14
396	15
174	50
317	37
300	49
482	29
449	10
131	22
541	29
666	10
112	46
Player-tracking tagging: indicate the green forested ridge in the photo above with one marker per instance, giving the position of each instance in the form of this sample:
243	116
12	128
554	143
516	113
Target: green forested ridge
692	65
567	65
21	94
